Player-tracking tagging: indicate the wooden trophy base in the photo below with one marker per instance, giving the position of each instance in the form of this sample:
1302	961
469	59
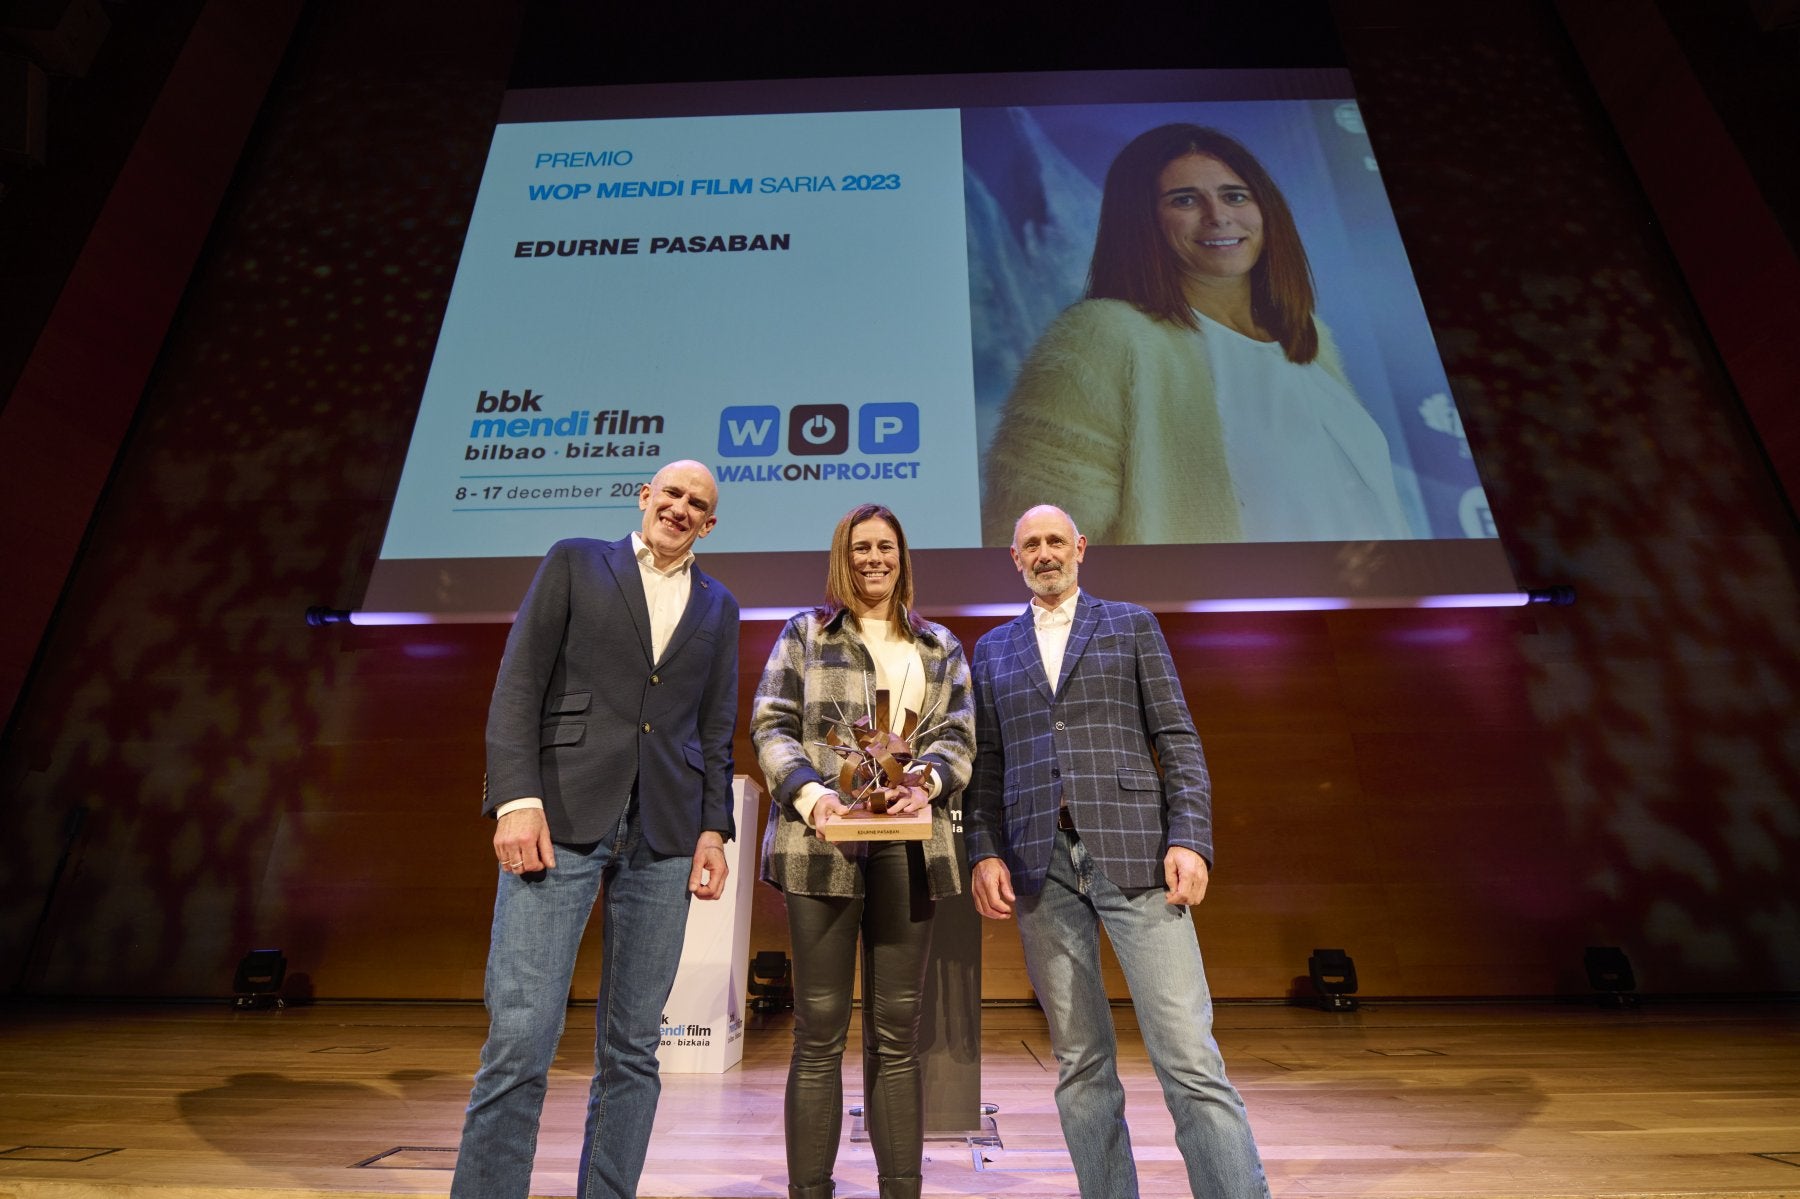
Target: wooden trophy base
863	825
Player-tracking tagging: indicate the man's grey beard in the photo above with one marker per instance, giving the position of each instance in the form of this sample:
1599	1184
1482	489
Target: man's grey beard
1040	584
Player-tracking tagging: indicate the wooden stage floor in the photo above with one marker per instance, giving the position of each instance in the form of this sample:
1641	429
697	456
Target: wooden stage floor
1521	1101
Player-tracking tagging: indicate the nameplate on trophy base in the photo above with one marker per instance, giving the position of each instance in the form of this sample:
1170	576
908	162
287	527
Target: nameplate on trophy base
863	825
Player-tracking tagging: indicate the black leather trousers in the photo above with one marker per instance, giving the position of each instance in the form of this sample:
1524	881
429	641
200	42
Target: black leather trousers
893	921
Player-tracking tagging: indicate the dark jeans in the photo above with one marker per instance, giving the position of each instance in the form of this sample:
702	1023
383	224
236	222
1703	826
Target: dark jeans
893	919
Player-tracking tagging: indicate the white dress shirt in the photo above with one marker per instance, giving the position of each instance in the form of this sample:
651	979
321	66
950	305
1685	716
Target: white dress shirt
666	591
1053	626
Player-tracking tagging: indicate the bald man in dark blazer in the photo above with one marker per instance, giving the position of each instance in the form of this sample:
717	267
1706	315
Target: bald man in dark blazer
1090	805
609	775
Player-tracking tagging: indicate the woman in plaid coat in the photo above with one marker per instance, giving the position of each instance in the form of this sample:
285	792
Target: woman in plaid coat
823	673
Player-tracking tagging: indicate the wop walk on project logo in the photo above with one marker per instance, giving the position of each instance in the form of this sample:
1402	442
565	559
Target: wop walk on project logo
817	430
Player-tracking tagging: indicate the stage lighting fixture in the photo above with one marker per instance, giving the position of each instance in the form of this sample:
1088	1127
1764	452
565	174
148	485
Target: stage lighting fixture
1561	595
771	982
1334	974
1609	972
259	978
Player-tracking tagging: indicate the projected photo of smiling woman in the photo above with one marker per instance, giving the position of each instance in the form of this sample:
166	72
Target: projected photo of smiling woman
1193	395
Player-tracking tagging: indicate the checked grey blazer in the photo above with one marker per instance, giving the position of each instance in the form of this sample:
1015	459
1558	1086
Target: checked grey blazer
1115	736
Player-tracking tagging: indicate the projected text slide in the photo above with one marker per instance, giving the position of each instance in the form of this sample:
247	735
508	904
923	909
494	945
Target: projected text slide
783	297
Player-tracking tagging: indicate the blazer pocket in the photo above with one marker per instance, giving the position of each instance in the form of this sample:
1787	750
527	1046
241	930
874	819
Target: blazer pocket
568	732
568	704
696	757
1139	780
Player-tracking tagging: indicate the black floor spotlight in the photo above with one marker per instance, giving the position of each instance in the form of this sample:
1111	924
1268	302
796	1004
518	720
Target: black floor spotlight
771	981
1609	973
259	978
1334	974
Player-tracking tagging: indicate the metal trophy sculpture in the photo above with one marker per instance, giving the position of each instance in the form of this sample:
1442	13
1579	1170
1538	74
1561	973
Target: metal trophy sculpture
874	758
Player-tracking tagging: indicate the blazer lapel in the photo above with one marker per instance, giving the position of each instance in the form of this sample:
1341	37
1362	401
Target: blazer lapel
699	607
1087	619
624	565
1028	660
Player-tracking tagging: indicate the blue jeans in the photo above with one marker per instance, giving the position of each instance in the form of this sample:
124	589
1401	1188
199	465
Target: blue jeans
538	922
1155	944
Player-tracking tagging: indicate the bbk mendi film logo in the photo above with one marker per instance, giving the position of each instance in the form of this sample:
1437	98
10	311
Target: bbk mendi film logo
524	426
685	1034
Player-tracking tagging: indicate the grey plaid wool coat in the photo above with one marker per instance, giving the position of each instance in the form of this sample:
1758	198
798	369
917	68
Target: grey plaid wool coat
819	671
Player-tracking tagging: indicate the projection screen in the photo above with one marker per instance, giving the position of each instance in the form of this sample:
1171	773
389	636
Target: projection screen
827	291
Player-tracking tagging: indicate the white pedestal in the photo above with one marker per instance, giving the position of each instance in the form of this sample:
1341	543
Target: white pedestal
703	1022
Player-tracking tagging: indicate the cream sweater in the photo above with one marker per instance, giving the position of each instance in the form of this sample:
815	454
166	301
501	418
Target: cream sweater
1113	420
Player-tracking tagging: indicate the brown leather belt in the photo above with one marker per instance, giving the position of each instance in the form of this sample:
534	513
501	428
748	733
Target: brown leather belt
1065	820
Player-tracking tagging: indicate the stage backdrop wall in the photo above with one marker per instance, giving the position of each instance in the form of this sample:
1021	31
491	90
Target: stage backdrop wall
1463	800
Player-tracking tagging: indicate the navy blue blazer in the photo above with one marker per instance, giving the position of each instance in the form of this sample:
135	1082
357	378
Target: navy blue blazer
1116	735
580	713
